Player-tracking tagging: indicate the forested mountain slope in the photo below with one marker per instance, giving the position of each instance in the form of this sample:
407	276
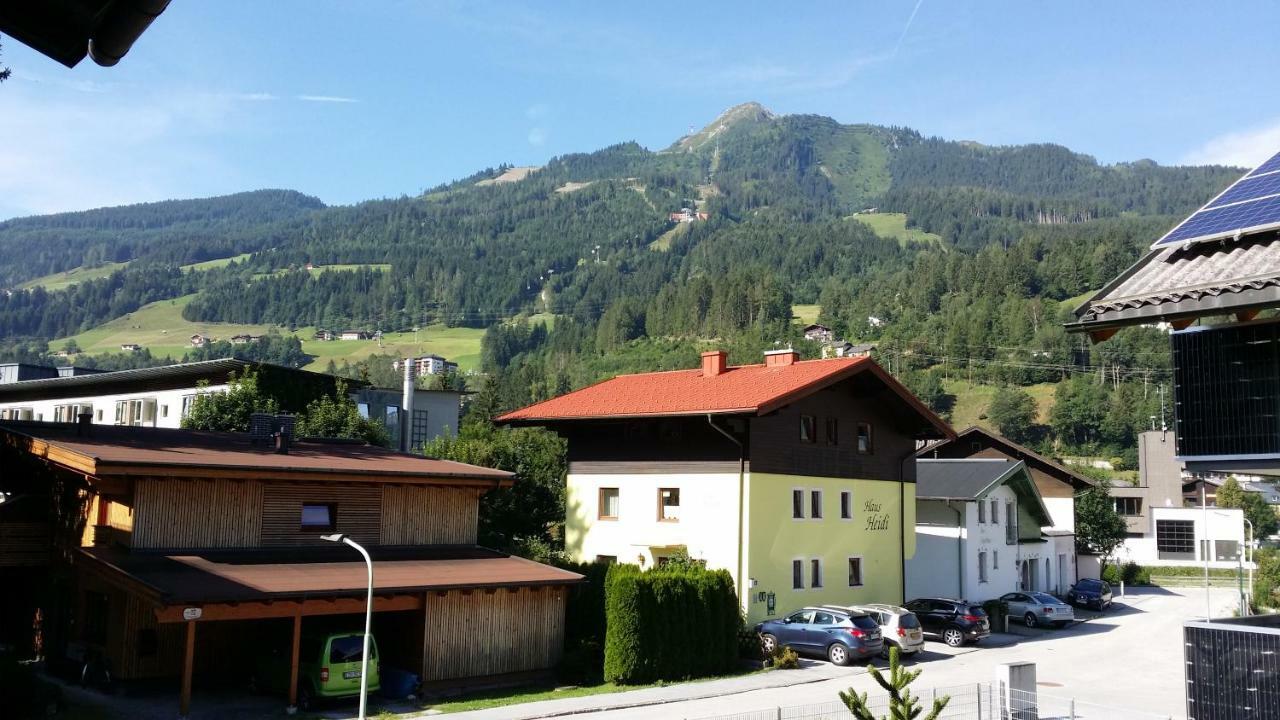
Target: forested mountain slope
1022	230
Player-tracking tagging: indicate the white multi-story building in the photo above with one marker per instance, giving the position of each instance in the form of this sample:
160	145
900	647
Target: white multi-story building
162	396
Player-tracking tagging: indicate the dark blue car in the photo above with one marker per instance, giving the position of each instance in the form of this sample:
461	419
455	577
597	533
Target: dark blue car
840	637
1090	593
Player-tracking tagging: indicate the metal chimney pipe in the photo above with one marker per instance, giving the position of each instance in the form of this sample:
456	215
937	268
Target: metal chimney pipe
406	408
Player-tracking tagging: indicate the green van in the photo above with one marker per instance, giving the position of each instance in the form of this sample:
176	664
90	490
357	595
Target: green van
328	668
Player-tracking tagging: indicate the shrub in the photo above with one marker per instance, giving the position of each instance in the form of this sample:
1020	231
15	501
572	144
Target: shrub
1132	574
784	658
669	624
749	645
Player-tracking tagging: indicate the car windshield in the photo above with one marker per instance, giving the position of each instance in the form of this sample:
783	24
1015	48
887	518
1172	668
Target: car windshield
865	622
908	621
346	649
977	610
1045	598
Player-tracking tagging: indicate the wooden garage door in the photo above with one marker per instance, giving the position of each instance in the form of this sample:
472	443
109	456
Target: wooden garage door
485	633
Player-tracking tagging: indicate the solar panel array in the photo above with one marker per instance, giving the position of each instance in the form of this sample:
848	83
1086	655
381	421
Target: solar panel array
1251	204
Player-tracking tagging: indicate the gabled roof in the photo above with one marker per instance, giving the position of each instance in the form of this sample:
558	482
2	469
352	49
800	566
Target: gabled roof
1010	448
738	390
108	450
972	479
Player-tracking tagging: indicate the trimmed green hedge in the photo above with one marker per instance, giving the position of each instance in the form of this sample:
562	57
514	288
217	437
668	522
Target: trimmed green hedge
1135	574
669	624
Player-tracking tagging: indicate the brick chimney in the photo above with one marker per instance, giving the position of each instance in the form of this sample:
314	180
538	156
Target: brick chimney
714	362
779	358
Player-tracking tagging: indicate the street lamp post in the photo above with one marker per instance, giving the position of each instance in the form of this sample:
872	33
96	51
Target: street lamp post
1248	605
368	617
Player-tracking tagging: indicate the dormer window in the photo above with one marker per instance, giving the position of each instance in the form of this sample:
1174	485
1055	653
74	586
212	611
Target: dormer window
319	516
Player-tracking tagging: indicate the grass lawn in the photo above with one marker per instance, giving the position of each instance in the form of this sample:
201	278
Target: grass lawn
376	267
894	225
663	243
806	314
220	262
160	328
972	402
516	696
67	278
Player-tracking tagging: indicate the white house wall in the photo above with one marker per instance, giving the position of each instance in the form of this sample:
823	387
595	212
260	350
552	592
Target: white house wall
168	405
1222	525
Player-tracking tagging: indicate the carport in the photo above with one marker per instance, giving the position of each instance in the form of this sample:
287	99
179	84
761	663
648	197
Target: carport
432	595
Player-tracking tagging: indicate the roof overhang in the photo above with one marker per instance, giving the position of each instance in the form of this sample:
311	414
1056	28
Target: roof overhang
1019	452
68	30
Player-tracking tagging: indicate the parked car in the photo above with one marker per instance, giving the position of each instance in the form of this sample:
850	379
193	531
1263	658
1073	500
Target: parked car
840	635
328	668
1090	593
899	627
954	622
1038	608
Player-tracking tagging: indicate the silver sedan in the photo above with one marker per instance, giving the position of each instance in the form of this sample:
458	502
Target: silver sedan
1038	608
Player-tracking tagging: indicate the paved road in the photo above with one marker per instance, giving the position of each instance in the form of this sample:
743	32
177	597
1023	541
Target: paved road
1129	658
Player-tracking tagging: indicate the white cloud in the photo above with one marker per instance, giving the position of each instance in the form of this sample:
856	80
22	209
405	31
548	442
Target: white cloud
1243	148
538	136
537	111
255	97
326	98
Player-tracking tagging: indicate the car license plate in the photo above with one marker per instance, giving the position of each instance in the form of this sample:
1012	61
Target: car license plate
985	626
351	675
915	635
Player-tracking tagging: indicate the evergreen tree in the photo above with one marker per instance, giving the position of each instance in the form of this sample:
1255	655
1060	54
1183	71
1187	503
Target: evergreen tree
902	704
1013	412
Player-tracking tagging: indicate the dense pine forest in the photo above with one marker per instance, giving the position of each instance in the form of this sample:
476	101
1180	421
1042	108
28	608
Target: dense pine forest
577	273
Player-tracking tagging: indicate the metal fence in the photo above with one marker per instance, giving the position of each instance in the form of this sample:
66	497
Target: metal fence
977	701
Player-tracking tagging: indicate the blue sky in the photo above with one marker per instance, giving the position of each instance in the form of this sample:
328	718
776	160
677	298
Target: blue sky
355	100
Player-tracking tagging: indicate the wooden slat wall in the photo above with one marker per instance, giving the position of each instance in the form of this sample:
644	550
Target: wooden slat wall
416	515
24	544
170	643
359	509
179	513
493	633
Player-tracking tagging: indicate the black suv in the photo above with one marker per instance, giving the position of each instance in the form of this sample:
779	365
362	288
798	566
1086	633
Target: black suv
1091	593
955	622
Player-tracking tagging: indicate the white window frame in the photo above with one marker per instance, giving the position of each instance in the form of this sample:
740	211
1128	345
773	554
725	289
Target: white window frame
862	579
849	495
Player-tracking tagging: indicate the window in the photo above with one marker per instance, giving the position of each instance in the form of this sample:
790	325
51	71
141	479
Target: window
797	574
1129	506
1010	525
607	559
804	617
995	512
815	573
418	429
1226	549
363	409
319	516
815	504
982	512
350	649
833	432
824	618
164	411
855	572
187	402
864	439
609	503
1176	539
668	504
808	429
995	559
982	567
797	504
846	505
99	416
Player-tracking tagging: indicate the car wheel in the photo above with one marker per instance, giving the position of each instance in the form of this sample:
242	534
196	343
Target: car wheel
953	637
1030	619
769	643
838	654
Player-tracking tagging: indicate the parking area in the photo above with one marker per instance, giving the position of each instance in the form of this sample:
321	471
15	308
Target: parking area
1128	657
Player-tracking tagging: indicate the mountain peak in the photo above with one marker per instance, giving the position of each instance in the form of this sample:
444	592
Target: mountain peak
747	112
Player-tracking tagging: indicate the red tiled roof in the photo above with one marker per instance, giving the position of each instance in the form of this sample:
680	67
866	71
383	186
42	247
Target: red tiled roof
743	389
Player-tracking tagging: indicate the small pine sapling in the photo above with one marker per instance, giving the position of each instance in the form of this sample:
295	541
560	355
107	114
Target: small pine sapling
902	704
